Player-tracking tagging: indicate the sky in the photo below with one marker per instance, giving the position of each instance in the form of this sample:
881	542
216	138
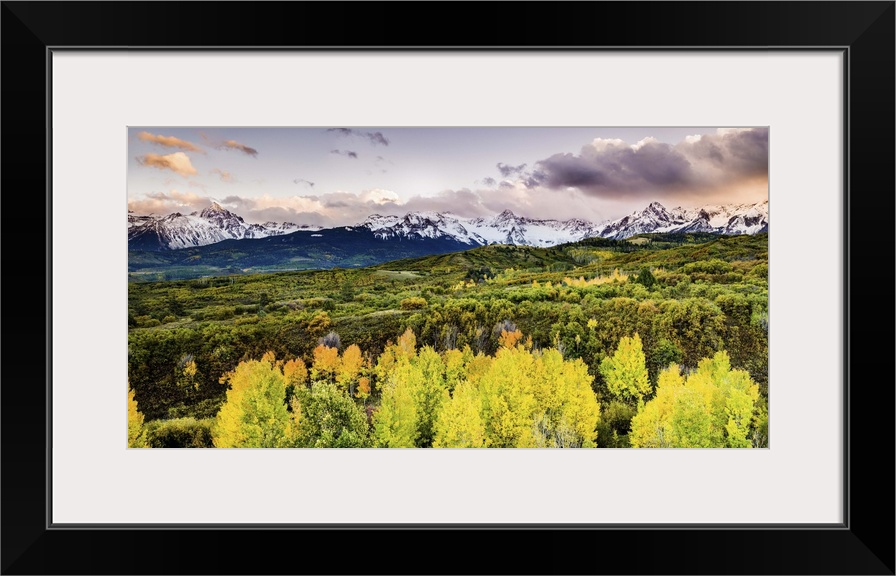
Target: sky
339	176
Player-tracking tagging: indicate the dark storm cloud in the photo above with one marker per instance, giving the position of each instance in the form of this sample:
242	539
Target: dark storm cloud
747	151
613	168
534	179
341	131
304	182
347	153
375	138
507	170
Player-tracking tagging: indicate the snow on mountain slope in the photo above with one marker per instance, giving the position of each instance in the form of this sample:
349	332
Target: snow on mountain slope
728	219
505	228
213	224
216	223
420	226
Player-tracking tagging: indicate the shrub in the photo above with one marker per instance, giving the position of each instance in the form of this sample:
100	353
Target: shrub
413	303
179	433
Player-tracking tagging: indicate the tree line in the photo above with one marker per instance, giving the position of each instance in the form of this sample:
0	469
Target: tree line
413	396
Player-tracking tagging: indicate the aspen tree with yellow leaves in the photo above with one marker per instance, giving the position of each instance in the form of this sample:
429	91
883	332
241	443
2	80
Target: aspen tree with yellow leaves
136	432
710	408
254	414
625	372
349	369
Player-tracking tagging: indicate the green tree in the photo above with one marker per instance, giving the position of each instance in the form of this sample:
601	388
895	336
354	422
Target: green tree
663	354
645	278
325	417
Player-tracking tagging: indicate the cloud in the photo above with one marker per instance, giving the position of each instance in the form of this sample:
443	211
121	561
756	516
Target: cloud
507	170
224	175
375	138
304	182
169	141
698	165
464	202
234	145
606	179
164	203
341	131
177	162
346	208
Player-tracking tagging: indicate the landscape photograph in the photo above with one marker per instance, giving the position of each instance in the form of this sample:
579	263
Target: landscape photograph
447	287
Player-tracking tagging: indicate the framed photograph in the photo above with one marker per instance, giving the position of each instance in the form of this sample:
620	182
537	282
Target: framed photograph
785	112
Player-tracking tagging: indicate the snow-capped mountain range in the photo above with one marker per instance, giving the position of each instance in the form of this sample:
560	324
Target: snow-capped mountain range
728	219
210	226
216	223
505	228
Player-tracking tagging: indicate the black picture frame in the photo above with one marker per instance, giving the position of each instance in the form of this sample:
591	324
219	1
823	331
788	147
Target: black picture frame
864	544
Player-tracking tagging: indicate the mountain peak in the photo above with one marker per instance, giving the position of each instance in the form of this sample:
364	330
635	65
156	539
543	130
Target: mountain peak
505	217
217	212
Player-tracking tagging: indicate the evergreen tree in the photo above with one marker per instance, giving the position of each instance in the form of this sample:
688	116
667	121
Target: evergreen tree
325	417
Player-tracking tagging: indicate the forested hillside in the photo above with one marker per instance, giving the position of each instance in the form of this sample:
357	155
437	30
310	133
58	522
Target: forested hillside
654	341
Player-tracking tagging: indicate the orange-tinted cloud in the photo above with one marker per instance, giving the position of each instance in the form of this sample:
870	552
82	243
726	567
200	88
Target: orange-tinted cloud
168	141
224	175
163	203
177	162
234	145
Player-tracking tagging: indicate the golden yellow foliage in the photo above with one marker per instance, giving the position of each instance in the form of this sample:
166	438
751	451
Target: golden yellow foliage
510	339
363	390
581	282
712	407
136	433
254	413
460	424
407	344
295	372
325	363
